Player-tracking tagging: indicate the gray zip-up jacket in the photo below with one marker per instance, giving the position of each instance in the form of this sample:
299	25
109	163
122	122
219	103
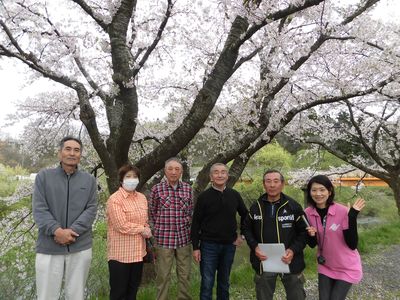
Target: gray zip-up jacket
66	201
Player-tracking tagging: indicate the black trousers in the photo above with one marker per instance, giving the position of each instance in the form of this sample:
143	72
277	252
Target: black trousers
293	284
332	289
124	279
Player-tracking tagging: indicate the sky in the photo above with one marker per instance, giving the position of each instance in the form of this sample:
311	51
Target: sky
16	86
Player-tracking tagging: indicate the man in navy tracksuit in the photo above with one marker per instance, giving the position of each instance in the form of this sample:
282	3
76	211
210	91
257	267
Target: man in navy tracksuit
276	218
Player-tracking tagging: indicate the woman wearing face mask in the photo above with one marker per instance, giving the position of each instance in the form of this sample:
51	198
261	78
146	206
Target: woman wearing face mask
127	228
333	227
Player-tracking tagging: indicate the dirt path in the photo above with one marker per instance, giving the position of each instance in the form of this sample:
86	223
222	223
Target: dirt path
381	277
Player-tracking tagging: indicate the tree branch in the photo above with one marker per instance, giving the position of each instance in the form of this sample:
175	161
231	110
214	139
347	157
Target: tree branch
246	58
360	10
147	138
291	9
92	14
155	41
31	61
78	62
362	139
342	156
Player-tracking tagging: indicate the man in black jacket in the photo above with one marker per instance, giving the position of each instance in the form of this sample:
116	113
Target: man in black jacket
214	234
276	218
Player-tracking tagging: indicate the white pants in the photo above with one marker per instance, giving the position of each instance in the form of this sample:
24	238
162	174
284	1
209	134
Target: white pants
50	270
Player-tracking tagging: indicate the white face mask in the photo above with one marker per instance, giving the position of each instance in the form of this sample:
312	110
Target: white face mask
130	184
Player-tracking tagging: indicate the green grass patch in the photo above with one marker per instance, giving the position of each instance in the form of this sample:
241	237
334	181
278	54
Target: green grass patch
382	235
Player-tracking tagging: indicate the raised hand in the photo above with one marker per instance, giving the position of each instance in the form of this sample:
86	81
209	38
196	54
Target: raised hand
358	205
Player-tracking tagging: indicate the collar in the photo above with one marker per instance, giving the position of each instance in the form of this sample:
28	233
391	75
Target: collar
125	194
331	210
218	189
264	198
166	183
62	169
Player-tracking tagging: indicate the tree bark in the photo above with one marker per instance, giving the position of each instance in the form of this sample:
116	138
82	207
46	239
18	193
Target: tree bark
394	184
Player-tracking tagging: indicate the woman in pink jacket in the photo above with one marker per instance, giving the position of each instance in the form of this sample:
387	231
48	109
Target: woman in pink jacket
333	227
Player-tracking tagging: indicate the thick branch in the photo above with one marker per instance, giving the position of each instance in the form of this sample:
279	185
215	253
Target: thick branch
92	14
122	109
291	9
359	11
120	52
88	118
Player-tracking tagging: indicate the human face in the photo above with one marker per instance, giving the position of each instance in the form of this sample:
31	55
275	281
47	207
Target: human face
273	186
173	171
320	194
219	176
130	181
70	154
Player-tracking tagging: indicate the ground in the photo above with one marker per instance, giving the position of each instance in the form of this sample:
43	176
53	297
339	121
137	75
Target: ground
381	277
380	281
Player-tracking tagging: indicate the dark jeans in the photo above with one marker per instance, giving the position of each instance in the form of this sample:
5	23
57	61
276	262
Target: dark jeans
266	283
218	258
124	279
332	289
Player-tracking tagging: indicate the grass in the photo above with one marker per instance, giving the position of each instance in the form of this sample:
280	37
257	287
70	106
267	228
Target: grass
371	240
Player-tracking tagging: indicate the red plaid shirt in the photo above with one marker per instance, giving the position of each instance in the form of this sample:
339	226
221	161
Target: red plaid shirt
171	213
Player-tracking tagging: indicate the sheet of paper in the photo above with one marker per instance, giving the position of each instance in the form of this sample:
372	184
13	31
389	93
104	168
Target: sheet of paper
274	253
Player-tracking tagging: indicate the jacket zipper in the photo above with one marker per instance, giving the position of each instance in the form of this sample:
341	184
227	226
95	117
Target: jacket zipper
66	216
262	227
276	221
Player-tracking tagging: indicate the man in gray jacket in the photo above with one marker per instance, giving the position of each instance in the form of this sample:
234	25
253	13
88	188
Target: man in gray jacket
64	208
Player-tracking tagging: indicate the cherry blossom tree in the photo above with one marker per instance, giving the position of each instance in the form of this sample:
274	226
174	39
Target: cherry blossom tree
323	72
230	75
365	134
264	61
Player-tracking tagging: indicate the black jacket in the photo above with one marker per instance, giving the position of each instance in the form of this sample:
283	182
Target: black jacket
289	229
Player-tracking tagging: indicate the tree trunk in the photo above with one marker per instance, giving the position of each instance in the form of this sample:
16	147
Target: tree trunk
395	186
237	169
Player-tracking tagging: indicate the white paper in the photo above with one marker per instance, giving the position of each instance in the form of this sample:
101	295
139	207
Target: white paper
274	261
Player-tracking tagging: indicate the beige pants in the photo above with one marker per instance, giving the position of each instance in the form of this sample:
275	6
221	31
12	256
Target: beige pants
50	270
164	261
